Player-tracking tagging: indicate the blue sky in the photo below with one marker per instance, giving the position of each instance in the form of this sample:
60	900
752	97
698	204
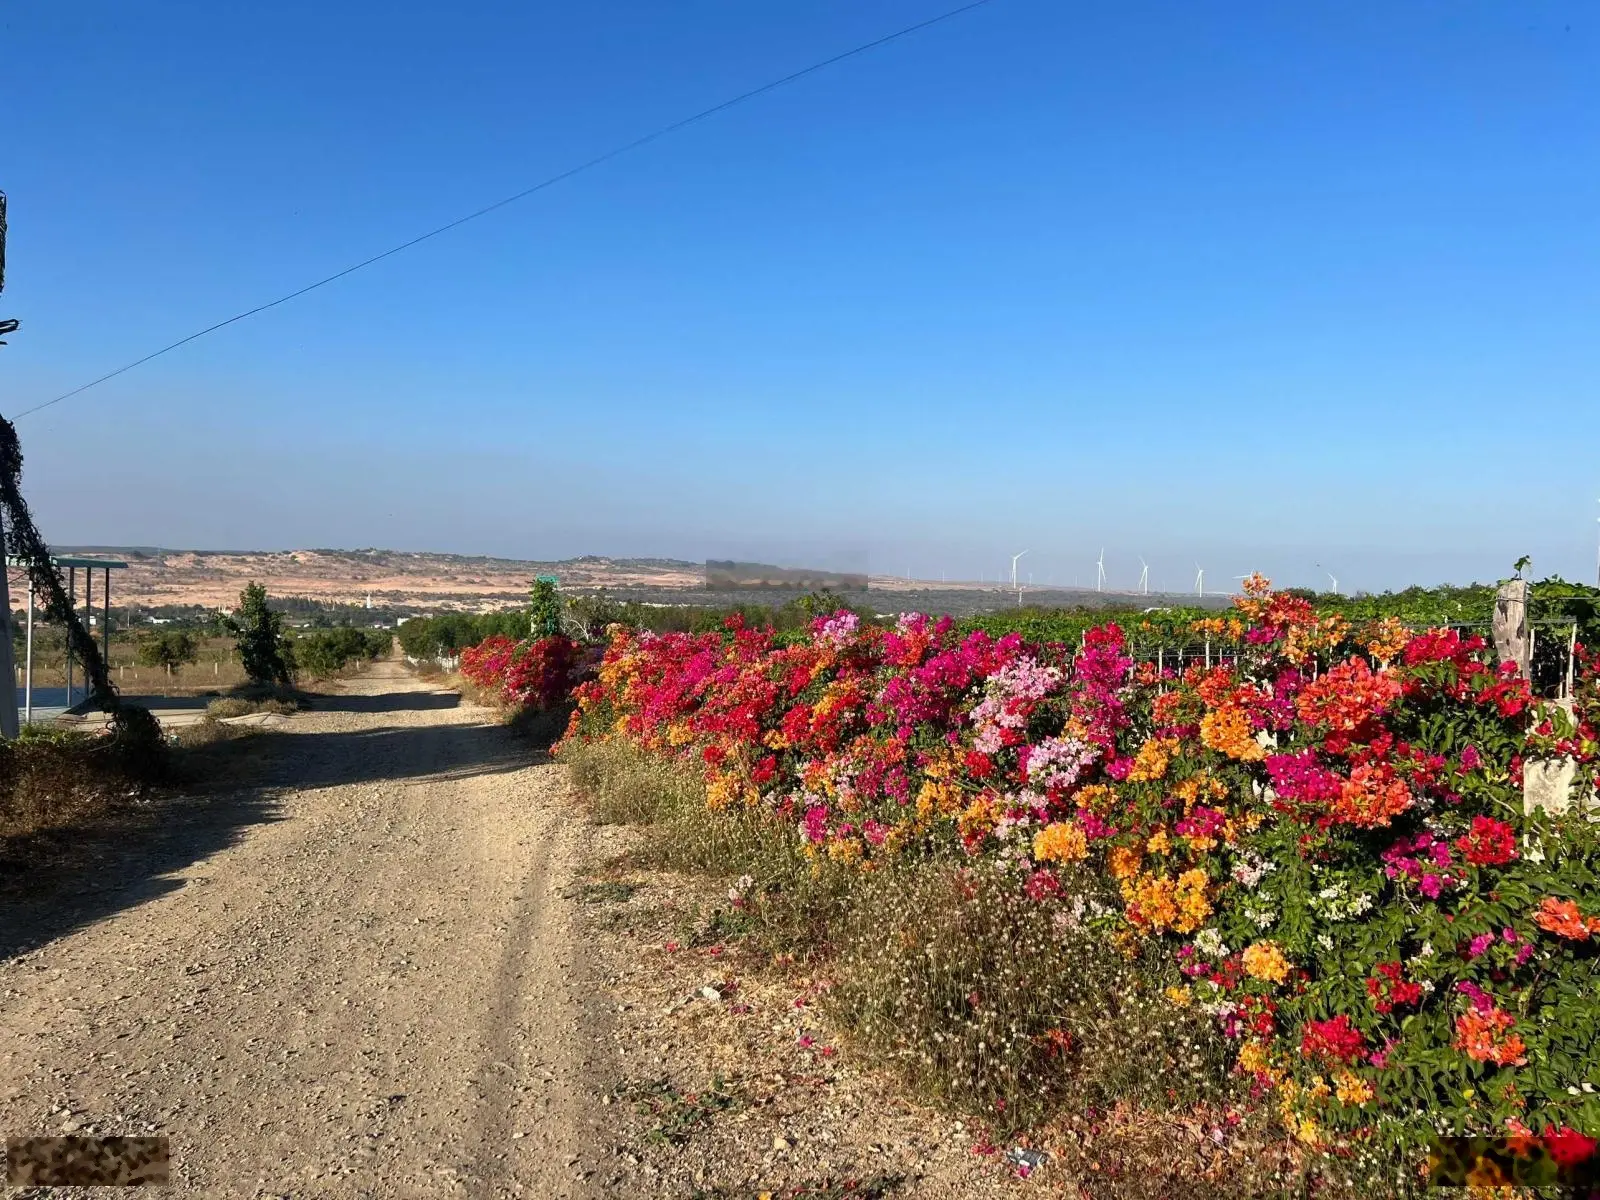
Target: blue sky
1251	285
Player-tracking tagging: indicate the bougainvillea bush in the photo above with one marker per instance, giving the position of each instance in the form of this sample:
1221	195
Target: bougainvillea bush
1321	840
538	675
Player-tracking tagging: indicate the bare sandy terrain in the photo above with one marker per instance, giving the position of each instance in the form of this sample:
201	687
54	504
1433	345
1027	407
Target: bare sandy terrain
389	577
352	974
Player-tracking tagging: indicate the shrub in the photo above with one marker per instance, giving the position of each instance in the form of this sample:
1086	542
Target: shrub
170	649
330	651
536	675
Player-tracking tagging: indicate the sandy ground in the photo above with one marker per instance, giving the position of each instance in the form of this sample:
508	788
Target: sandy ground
351	973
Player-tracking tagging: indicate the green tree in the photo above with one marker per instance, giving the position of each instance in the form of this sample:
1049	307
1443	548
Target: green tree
544	609
265	652
172	649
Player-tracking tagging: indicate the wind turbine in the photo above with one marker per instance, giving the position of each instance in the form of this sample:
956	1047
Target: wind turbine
1200	581
1100	571
1144	577
1331	578
1014	559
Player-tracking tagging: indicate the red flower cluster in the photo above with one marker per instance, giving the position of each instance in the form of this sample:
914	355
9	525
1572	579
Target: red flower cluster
539	674
1335	1038
1389	989
1489	843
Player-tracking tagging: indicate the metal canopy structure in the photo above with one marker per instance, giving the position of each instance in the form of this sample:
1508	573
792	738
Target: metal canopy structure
71	565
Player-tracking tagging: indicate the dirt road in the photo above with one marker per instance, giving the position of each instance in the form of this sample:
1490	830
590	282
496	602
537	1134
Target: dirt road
353	974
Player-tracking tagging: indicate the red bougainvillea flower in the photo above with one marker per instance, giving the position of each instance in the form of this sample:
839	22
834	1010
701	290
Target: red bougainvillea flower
1336	1038
1490	843
1389	989
1567	1146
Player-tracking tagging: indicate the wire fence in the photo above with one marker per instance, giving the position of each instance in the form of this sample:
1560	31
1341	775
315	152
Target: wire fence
1553	668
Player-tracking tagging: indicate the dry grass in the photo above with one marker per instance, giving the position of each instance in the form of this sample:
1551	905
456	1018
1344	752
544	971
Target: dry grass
50	779
217	670
244	706
1010	1009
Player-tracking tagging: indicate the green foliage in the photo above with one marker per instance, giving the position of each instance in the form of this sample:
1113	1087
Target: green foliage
450	633
544	610
327	652
172	649
266	654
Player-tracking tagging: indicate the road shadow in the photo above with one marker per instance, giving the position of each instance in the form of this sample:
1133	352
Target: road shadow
421	755
59	880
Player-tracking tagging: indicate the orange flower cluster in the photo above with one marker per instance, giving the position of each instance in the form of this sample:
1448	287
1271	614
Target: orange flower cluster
1351	1088
1347	696
1372	797
1159	902
1122	862
1264	961
1384	639
1563	918
1227	731
1152	760
1485	1036
1060	842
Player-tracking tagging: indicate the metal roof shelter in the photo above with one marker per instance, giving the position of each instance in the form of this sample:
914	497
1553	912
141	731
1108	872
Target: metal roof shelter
71	565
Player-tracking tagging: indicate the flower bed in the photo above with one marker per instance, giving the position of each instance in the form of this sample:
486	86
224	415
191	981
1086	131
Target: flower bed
1321	842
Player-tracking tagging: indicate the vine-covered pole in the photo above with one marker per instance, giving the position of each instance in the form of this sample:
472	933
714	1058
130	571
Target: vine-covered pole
8	667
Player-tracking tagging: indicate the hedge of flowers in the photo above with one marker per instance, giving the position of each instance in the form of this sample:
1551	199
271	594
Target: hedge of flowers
1323	835
537	674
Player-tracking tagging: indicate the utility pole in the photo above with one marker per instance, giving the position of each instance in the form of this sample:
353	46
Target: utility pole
8	667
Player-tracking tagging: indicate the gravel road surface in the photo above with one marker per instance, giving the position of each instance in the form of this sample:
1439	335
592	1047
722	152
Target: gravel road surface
349	969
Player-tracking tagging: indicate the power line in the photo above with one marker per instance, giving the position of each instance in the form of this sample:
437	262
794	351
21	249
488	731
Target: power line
617	152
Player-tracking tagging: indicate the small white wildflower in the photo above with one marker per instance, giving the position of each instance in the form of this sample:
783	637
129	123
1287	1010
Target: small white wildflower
1325	941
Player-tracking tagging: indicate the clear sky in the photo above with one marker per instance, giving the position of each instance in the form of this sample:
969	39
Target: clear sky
1251	285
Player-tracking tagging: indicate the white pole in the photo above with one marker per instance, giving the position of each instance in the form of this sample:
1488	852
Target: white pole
8	666
1572	654
27	671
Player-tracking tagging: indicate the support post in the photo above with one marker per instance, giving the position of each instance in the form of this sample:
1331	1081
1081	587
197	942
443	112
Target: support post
66	630
27	670
8	666
1572	656
1511	640
105	624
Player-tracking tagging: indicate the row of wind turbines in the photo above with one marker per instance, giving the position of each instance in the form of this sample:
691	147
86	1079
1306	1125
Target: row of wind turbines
1143	588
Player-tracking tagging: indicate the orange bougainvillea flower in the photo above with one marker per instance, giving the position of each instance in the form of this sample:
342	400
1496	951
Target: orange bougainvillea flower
1264	961
1227	731
1372	797
1562	918
1123	862
1151	761
1347	696
1062	842
1485	1037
